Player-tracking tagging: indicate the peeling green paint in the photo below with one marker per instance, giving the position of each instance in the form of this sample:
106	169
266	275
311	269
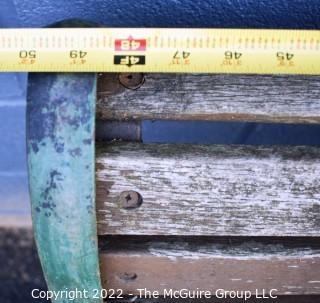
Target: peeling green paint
60	142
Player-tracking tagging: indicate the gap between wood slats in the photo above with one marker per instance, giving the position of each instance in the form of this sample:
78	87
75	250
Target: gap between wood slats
208	132
209	190
255	98
123	242
180	264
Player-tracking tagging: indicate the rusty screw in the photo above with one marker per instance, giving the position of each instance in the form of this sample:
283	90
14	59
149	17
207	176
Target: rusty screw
128	276
131	80
130	199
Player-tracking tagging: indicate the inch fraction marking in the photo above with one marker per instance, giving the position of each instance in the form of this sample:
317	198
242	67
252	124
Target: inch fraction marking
160	50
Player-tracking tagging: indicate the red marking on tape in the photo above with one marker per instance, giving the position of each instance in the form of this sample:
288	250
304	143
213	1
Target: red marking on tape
130	44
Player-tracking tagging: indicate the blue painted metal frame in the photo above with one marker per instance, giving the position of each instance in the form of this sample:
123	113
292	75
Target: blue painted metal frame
61	157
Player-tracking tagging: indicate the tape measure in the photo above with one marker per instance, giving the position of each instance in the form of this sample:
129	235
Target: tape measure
249	51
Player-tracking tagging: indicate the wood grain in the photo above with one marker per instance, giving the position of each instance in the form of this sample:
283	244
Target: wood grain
288	99
249	266
209	190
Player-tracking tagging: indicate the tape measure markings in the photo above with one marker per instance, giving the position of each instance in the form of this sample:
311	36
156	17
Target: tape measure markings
161	50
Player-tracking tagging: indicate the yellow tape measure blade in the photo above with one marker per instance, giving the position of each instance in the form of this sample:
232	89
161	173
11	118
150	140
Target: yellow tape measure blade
160	50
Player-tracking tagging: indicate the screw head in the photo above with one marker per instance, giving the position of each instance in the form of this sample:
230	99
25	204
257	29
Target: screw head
130	199
131	80
128	276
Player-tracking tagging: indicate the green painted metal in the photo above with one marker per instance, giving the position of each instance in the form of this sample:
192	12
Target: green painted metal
60	143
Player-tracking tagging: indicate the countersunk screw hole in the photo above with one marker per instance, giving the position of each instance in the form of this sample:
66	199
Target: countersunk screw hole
130	199
131	80
128	276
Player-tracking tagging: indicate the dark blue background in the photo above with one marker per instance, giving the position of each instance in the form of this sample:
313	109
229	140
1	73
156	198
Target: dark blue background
173	13
126	13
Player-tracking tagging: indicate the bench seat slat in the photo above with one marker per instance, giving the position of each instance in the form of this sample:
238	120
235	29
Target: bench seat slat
261	98
209	190
249	266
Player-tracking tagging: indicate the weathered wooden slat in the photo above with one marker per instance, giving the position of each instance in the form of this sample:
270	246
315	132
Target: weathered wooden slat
246	267
289	99
209	190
